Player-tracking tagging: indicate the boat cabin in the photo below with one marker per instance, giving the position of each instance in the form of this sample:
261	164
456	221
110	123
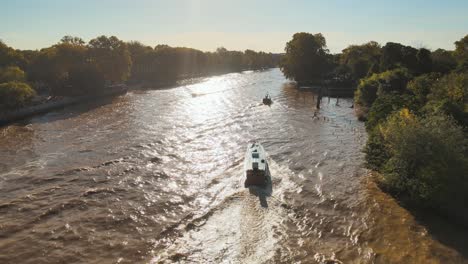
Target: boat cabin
255	165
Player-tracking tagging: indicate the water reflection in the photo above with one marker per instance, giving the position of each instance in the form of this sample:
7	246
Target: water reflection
156	176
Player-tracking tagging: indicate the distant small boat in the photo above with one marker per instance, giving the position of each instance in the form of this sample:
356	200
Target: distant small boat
267	100
256	166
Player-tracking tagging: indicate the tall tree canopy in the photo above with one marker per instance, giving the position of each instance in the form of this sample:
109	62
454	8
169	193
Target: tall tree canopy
75	41
396	55
111	57
51	66
306	57
461	48
165	64
12	73
10	57
361	59
72	68
443	61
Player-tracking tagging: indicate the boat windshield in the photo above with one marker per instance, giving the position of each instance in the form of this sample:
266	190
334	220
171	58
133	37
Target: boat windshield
255	155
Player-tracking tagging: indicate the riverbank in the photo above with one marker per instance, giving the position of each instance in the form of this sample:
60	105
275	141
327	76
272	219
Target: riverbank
53	104
48	105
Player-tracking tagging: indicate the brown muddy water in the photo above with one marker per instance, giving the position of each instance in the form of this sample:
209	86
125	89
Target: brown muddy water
155	177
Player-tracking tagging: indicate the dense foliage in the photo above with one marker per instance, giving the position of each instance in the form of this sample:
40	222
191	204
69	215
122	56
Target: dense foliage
361	60
12	73
73	67
449	95
307	58
164	64
15	94
86	79
111	57
415	100
425	160
10	57
381	83
416	105
418	124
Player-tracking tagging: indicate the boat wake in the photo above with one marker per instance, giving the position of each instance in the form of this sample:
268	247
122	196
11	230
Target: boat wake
254	219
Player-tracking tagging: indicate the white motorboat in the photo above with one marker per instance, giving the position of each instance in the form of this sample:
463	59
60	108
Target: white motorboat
256	166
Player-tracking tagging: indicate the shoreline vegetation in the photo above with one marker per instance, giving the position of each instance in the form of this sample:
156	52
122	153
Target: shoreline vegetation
414	100
415	105
72	71
45	105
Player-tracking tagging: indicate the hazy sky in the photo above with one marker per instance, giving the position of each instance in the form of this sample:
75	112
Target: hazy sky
235	24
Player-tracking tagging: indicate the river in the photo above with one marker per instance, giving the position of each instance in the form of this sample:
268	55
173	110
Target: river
155	177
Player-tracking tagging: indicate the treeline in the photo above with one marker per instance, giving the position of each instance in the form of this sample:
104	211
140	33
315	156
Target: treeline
307	60
417	122
164	64
415	103
73	67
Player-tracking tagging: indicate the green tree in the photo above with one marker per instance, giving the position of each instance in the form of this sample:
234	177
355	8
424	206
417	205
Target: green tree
111	56
392	56
10	57
427	164
360	58
396	55
421	86
449	95
461	48
251	59
394	80
12	73
306	58
443	61
74	41
15	94
376	152
46	70
162	66
424	61
381	83
70	55
385	105
366	92
84	80
52	65
139	53
137	49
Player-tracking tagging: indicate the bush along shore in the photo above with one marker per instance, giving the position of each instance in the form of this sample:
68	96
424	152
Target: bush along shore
73	71
415	104
417	122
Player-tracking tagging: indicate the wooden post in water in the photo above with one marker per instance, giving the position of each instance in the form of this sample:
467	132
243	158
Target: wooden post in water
319	98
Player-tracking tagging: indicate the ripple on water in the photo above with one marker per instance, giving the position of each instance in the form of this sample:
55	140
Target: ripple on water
157	176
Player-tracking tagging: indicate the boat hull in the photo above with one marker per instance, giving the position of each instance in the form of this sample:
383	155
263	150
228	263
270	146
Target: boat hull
256	179
267	101
256	171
